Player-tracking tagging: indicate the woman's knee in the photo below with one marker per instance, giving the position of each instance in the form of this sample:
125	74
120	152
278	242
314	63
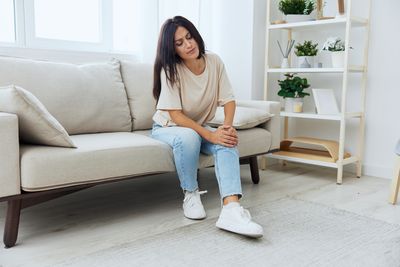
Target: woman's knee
187	137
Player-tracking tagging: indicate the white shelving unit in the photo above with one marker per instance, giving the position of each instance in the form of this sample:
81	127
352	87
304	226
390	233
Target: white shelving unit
347	23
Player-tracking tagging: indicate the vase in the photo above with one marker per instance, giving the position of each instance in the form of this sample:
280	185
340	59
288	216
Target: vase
285	63
305	62
294	104
337	59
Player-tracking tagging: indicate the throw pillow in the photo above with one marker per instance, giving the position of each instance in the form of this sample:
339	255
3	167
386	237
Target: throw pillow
245	118
36	125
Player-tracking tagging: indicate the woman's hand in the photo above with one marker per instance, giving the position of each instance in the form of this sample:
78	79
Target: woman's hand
225	136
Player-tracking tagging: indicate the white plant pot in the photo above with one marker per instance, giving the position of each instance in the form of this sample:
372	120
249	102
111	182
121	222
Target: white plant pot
297	18
305	62
337	59
294	104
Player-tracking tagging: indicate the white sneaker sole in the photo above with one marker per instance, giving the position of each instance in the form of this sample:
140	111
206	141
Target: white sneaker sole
195	218
236	231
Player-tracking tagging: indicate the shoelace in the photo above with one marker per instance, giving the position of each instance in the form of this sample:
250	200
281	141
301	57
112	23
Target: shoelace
192	197
245	214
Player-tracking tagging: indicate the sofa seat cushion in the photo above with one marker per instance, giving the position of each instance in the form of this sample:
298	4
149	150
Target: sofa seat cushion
88	98
99	157
251	141
110	156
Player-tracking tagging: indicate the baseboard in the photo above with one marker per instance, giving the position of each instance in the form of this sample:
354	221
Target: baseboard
377	171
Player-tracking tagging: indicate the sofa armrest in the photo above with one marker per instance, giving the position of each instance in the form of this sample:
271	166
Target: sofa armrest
274	124
10	182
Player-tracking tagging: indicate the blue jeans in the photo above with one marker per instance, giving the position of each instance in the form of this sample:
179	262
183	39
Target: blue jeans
186	146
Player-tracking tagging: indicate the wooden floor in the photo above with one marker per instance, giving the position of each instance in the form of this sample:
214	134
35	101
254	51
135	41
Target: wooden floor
101	217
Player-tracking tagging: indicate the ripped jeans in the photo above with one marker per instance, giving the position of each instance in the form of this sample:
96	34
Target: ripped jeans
186	146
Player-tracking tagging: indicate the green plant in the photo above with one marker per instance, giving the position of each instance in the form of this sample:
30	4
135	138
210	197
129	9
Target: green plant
293	86
306	49
334	44
297	7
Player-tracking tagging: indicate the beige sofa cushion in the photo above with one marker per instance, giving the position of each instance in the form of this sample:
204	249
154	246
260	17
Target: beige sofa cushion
99	157
251	142
138	80
86	98
36	125
245	118
109	156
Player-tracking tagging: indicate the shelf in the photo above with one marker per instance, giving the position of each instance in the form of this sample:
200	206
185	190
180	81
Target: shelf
355	21
346	161
309	115
352	68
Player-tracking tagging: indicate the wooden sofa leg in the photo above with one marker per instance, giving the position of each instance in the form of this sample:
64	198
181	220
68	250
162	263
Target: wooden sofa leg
255	176
12	222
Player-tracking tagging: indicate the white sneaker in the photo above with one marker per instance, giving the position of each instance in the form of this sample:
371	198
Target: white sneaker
234	218
192	207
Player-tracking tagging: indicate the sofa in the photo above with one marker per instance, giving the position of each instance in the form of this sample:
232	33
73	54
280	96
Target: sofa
105	110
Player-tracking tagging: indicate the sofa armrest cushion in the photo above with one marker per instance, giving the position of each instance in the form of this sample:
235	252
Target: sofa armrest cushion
245	117
274	124
36	124
10	182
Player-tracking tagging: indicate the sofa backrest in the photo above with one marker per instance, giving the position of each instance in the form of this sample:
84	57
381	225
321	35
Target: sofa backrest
138	80
86	98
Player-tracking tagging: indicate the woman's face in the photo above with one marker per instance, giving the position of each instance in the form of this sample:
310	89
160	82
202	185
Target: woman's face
185	45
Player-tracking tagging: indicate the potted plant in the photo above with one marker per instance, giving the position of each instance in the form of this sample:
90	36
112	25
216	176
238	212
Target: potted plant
306	53
297	10
336	46
292	91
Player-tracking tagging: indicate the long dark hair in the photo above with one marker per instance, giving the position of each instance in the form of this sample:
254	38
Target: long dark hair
166	57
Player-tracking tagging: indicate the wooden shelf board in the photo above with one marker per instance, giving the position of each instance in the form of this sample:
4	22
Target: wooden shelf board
355	21
352	68
352	159
311	115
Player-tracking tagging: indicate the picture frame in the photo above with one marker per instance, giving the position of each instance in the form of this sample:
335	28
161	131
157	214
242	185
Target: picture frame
325	101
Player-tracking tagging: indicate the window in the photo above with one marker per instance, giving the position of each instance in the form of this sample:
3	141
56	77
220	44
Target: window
7	21
72	20
124	26
127	26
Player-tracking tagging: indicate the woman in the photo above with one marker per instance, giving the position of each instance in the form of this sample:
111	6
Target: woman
189	84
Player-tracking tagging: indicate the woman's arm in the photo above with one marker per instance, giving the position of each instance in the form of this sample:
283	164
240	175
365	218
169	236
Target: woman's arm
220	136
229	111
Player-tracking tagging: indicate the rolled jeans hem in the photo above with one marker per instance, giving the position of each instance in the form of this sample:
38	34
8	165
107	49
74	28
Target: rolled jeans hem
240	195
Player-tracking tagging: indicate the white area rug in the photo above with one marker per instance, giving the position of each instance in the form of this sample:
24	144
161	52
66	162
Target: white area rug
297	233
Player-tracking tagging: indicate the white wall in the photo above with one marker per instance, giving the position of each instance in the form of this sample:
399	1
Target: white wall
383	89
231	37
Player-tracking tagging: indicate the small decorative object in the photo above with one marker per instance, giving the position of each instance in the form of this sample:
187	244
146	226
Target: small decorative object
325	101
320	10
337	47
306	53
297	10
279	21
285	60
340	9
292	92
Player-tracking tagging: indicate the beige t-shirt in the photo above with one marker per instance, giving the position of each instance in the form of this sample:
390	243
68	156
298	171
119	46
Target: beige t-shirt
197	95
